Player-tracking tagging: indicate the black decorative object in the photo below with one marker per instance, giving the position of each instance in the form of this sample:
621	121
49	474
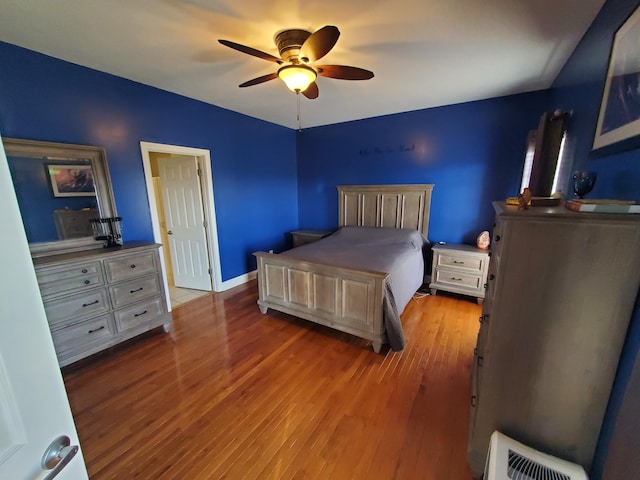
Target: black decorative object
583	182
107	230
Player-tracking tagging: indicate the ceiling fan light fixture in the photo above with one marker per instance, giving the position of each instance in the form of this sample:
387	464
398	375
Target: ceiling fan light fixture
297	77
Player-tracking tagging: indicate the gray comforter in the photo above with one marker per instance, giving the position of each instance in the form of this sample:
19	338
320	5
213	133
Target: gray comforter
398	252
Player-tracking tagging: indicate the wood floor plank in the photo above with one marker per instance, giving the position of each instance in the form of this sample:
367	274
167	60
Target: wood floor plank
234	394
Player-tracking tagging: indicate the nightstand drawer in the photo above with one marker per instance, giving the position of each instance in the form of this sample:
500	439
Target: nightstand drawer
460	279
463	262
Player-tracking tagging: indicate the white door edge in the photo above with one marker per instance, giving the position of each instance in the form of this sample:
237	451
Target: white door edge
207	200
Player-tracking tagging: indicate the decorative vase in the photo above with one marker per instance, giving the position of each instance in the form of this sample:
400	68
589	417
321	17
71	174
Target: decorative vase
583	182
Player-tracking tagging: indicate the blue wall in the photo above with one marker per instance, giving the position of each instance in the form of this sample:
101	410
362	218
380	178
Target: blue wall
280	179
472	152
253	162
579	88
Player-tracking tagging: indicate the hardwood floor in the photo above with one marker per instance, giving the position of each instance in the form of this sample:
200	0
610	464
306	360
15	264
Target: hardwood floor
234	394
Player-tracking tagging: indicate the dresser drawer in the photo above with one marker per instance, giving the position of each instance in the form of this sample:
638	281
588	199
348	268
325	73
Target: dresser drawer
461	262
95	331
83	304
461	279
131	266
59	280
134	290
138	314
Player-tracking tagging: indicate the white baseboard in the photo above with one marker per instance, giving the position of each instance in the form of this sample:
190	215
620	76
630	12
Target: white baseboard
239	280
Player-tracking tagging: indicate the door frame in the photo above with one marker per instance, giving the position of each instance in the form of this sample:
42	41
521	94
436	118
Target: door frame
204	156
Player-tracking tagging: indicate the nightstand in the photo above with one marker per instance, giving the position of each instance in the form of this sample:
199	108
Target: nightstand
302	237
459	269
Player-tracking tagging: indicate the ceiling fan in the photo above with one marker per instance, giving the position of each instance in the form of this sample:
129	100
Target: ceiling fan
299	49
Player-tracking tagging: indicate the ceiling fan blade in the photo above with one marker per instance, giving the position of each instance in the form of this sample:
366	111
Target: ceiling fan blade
251	51
256	81
343	72
312	91
319	43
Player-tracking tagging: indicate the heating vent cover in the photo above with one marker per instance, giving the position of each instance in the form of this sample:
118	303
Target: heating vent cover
523	468
509	459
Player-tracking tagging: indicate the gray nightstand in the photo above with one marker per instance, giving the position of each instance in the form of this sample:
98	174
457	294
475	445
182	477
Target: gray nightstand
302	237
459	269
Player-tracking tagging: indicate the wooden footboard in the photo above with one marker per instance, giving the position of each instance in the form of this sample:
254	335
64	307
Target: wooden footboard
345	299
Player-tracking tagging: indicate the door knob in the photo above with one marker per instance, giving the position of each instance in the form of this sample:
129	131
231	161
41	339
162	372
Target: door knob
169	232
57	455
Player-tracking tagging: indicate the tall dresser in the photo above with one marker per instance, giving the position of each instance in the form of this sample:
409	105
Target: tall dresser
97	298
560	294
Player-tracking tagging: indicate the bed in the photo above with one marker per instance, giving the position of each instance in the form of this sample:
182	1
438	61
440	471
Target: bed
359	279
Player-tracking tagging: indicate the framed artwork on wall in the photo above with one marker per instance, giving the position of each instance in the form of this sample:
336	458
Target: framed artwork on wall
619	118
71	180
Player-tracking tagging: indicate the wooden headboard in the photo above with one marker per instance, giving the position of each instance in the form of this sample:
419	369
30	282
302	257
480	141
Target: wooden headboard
393	206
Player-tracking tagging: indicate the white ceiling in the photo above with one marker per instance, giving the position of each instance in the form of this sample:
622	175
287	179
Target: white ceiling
424	53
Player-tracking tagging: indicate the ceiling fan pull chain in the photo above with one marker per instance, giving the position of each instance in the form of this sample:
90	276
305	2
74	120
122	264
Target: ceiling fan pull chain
299	120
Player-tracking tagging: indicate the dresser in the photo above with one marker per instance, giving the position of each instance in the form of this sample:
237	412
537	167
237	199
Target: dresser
98	298
459	269
560	294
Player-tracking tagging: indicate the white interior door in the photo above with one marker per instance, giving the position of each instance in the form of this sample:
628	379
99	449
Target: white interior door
182	201
34	409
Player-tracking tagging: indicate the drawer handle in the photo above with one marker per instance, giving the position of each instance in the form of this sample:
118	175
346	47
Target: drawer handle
96	329
456	279
87	282
84	270
139	314
492	277
458	262
480	361
136	290
92	303
474	400
497	239
133	265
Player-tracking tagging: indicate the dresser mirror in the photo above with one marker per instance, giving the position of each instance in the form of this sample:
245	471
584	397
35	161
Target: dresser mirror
59	188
